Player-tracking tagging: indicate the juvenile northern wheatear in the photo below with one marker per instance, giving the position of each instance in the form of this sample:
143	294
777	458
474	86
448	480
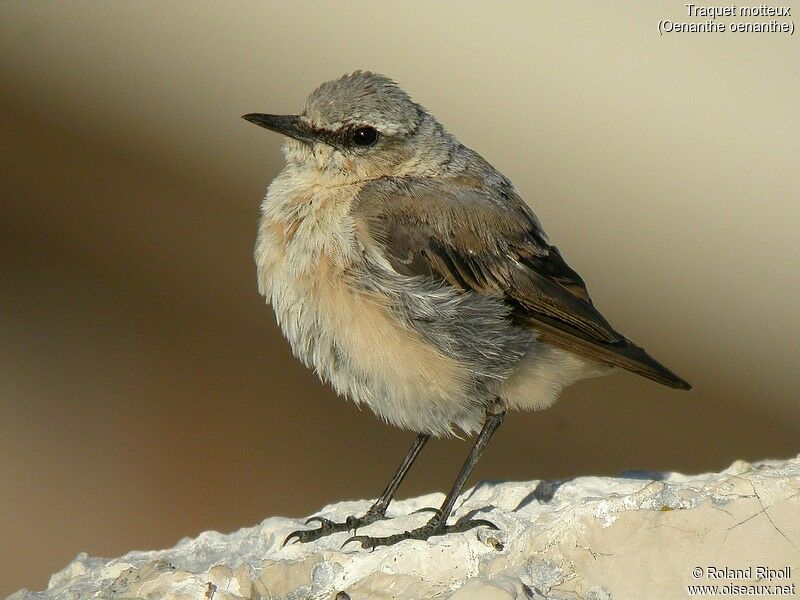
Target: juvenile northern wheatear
408	272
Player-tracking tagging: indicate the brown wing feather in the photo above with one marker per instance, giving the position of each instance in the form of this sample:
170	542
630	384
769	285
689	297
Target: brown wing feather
454	230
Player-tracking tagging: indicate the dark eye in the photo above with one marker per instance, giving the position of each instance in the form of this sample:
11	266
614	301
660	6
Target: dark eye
364	136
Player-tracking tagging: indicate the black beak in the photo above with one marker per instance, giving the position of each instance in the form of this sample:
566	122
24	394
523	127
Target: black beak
289	125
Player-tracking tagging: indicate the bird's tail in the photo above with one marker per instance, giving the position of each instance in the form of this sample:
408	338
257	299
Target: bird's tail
623	353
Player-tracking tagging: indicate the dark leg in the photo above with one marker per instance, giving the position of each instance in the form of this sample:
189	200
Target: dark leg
376	512
438	523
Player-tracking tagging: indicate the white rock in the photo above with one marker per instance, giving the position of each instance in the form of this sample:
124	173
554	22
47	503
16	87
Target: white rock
642	535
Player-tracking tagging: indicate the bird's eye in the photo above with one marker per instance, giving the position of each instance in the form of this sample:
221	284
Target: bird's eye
364	136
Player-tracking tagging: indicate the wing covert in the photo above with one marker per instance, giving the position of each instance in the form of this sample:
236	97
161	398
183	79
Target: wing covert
479	241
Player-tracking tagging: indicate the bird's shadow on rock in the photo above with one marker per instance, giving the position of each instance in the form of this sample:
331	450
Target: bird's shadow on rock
542	493
648	475
545	490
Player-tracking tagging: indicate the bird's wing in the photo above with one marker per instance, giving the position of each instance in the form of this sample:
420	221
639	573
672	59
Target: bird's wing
490	242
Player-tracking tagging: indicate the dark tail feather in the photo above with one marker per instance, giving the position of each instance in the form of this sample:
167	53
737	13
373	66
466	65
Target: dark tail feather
624	354
635	359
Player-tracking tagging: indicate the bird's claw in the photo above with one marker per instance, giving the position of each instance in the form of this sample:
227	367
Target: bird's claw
471	524
290	536
430	529
323	522
327	527
425	509
306	535
362	539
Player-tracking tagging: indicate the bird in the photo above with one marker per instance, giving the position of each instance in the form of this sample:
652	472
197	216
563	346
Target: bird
413	278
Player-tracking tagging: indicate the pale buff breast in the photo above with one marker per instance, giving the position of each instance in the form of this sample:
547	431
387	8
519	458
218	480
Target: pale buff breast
306	247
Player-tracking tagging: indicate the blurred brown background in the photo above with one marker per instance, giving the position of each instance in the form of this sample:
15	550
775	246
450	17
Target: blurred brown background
145	391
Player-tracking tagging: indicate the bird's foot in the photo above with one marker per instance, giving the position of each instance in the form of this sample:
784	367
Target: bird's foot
433	527
327	527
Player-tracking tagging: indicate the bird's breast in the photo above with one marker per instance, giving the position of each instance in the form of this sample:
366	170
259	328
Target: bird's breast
304	243
306	254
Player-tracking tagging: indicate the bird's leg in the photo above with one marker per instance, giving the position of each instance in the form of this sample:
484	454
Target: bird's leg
376	512
438	523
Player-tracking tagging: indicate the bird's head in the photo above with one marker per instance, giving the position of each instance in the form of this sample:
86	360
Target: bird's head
361	126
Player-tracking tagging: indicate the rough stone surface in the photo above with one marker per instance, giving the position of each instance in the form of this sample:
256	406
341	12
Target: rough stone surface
640	535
